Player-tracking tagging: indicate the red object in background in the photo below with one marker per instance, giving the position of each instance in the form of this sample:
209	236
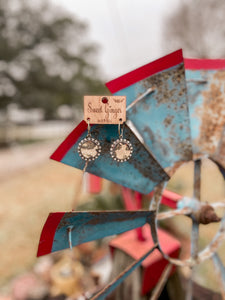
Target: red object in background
137	242
170	198
133	203
153	265
94	184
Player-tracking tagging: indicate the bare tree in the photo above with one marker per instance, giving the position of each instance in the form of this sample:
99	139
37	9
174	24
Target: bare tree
198	27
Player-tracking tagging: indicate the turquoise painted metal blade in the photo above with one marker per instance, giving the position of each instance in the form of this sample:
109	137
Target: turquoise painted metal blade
141	172
63	230
160	117
206	93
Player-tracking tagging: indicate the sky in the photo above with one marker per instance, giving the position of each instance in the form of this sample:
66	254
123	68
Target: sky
129	32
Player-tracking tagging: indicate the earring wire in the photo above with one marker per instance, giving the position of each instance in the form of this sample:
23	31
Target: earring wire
120	131
89	127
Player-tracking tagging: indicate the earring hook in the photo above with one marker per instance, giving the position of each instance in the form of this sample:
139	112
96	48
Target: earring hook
89	127
69	231
120	130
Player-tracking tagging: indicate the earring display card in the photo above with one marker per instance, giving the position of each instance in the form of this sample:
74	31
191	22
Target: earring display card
161	115
105	109
141	172
206	93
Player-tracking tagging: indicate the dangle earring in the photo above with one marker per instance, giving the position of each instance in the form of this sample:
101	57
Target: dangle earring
121	149
89	148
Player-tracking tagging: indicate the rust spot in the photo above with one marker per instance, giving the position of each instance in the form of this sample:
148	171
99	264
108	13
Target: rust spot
104	217
164	93
171	170
65	221
171	98
212	114
207	215
156	142
168	120
219	156
149	169
220	75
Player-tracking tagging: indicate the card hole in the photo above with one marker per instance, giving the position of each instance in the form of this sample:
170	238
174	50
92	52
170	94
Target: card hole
105	100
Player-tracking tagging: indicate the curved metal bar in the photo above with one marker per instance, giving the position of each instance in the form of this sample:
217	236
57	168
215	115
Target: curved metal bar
215	243
220	271
173	213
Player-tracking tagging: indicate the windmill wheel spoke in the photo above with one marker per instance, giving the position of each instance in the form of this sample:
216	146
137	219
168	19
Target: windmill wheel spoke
220	271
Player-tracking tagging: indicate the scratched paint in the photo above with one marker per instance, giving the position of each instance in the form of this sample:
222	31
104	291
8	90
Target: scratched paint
141	172
206	93
162	117
75	228
219	156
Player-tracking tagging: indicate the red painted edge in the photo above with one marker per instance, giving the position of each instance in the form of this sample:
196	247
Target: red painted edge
145	71
48	233
204	64
69	141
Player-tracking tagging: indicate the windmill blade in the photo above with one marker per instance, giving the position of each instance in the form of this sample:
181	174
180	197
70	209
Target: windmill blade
158	108
65	230
141	172
206	93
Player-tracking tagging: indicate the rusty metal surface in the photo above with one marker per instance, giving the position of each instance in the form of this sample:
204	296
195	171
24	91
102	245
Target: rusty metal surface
219	155
215	243
206	253
158	192
206	214
195	221
197	196
200	213
102	218
161	117
121	277
203	212
173	213
197	179
141	172
207	112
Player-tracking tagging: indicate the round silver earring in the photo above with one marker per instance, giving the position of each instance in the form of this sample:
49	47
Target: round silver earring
89	148
121	150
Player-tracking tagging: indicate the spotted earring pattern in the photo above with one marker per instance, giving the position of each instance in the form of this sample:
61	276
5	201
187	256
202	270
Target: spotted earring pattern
89	148
121	150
